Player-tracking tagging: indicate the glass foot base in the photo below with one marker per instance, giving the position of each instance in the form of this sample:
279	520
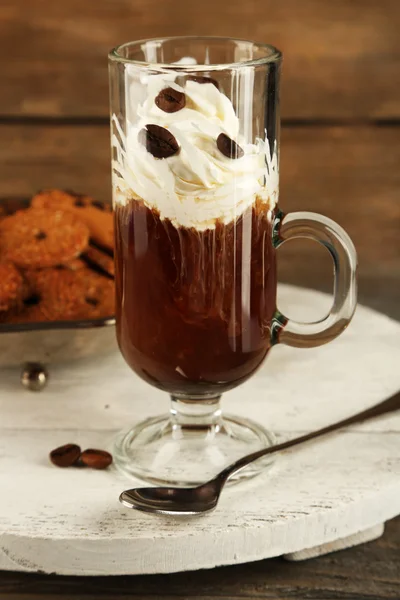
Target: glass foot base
163	451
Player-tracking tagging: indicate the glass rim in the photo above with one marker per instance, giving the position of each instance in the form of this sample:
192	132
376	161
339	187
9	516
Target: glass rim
273	55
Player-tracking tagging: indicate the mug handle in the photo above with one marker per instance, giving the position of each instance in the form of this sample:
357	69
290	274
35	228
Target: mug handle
328	233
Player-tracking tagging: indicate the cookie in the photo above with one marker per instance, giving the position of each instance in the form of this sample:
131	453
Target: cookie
73	265
55	199
97	215
39	237
101	227
99	260
29	313
67	199
11	286
99	295
73	295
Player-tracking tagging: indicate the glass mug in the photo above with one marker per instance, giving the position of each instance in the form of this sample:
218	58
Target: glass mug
195	155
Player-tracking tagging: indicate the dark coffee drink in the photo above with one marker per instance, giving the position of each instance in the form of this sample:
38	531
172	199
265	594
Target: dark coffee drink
194	307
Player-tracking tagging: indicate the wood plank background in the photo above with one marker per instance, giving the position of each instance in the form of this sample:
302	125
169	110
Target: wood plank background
341	57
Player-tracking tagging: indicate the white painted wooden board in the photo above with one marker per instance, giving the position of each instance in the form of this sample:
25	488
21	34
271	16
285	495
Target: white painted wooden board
70	521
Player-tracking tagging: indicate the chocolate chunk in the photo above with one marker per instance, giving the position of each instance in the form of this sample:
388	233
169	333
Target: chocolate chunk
201	79
228	147
170	100
92	301
65	456
158	141
98	204
34	300
96	459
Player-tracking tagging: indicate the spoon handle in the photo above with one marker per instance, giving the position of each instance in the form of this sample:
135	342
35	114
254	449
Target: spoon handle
387	406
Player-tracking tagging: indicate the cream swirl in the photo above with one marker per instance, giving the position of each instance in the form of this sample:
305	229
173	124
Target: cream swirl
199	185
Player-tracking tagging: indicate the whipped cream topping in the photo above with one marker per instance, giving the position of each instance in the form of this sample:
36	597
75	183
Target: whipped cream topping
199	185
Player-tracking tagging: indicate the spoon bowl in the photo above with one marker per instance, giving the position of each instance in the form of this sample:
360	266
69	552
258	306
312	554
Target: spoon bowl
171	500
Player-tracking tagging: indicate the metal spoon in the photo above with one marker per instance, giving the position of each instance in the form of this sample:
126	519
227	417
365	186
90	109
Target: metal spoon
204	498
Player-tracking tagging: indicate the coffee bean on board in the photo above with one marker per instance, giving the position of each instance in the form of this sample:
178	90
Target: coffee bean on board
96	459
65	456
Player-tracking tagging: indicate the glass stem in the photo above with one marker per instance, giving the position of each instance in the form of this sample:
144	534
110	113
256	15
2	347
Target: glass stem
196	414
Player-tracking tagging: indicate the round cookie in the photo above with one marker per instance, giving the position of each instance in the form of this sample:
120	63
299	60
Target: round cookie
73	295
38	237
11	286
29	313
97	215
99	260
64	199
74	265
54	199
99	296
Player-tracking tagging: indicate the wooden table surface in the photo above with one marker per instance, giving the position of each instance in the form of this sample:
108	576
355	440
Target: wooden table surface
340	156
